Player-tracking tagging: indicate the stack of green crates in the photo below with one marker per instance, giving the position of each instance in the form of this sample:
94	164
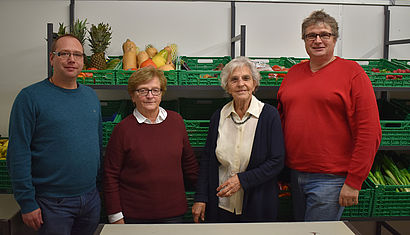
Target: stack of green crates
5	183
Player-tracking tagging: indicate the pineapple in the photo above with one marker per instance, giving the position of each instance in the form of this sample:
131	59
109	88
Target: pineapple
99	39
61	29
79	30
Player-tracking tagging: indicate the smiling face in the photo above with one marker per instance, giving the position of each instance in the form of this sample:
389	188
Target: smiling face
320	48
241	84
147	105
67	67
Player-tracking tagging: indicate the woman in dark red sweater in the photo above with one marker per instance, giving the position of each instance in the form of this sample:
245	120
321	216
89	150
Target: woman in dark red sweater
147	158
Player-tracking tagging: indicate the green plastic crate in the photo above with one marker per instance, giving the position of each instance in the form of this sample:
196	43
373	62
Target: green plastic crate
395	133
5	183
203	63
365	205
200	108
190	201
199	78
273	78
112	113
388	202
123	75
197	131
97	77
170	105
297	60
403	62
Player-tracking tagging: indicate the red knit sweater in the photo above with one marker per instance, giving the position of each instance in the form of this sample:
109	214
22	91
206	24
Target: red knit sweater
145	166
330	120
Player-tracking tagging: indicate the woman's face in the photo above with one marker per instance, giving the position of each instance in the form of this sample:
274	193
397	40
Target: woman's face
149	103
241	84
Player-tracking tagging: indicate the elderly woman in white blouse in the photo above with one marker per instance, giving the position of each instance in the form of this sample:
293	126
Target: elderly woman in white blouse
243	155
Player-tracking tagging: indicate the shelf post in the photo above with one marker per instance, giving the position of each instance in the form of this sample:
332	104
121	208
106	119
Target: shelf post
50	40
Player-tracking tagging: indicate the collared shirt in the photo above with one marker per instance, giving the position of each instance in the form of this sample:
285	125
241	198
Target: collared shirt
162	115
234	147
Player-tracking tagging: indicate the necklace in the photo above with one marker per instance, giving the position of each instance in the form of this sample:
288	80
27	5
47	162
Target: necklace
240	123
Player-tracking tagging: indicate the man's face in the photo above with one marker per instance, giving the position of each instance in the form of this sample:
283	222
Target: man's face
320	47
67	66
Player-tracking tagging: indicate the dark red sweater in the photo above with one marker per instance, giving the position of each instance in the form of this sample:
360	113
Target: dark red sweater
330	120
145	166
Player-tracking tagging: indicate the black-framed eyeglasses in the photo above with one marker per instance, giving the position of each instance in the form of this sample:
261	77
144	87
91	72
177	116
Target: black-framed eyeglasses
66	55
145	92
323	36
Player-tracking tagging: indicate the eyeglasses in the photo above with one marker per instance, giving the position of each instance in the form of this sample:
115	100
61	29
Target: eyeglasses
145	92
65	55
323	36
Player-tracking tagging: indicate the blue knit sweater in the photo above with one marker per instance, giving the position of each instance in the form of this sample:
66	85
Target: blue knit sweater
55	142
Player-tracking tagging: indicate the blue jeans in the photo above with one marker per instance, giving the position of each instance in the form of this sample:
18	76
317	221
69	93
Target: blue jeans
316	196
70	215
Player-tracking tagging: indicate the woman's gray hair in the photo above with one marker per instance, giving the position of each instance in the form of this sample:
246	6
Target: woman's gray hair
237	63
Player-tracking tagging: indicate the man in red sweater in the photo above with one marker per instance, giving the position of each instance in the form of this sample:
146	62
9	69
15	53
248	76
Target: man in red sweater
331	125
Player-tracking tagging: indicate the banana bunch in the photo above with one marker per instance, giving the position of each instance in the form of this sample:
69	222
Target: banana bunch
3	148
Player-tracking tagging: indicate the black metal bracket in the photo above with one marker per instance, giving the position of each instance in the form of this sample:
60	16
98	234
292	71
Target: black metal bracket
71	15
387	41
241	37
379	225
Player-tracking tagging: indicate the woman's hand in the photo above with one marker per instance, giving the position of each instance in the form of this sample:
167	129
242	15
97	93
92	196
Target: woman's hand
229	187
120	221
198	211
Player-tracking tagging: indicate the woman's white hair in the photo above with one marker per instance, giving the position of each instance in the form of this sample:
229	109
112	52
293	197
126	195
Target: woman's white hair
237	63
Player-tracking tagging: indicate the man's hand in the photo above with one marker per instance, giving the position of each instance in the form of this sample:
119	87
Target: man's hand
349	196
33	219
198	211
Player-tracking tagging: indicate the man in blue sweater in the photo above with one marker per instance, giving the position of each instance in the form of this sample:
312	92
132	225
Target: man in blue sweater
55	146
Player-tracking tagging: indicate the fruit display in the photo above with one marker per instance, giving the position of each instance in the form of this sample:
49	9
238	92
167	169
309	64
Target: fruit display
164	59
3	148
100	37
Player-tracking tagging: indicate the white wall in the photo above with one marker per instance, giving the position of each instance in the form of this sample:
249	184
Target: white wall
199	28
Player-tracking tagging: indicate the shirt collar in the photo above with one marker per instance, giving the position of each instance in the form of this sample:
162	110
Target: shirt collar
162	115
254	108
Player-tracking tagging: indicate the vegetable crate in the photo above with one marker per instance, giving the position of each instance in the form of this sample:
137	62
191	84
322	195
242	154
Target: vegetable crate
203	63
403	62
200	109
97	77
364	207
112	113
5	183
296	60
123	75
190	201
275	77
390	201
395	133
199	78
382	72
197	131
